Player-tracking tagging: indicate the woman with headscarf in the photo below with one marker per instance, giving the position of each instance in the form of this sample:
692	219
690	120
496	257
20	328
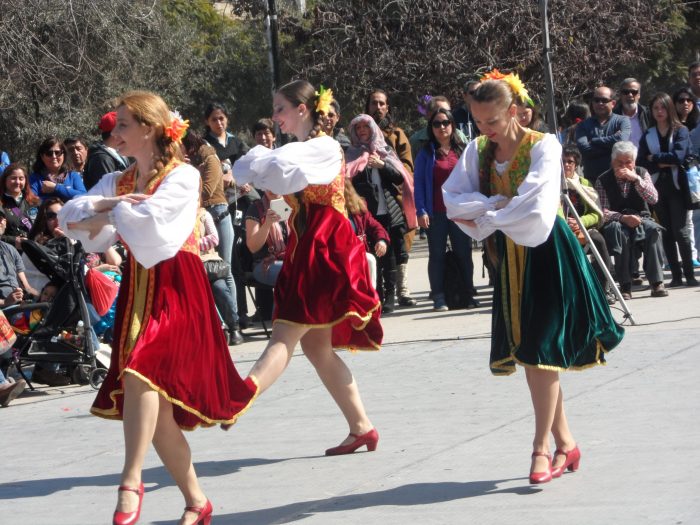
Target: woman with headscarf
381	179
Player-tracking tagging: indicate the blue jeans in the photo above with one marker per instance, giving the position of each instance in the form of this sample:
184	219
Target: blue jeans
440	229
225	249
224	303
268	277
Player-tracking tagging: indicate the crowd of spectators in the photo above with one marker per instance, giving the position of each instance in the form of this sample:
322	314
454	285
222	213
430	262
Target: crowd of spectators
624	164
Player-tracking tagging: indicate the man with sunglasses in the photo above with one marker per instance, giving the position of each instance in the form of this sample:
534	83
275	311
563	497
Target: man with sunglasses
628	105
596	135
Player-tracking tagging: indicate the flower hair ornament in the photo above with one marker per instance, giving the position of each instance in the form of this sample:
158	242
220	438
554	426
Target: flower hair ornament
324	97
177	128
513	80
423	104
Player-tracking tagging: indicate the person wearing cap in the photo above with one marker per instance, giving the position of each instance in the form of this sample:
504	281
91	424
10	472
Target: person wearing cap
102	156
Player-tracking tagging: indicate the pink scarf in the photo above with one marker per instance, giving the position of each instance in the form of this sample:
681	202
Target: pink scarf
357	157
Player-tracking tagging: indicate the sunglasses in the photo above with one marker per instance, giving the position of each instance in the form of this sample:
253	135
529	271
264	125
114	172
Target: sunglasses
54	153
633	92
602	100
441	124
683	100
51	215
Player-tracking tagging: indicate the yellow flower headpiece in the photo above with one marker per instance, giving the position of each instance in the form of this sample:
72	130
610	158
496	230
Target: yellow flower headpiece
513	80
324	97
177	128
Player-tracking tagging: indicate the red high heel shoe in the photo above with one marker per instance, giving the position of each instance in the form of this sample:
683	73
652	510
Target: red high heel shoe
542	477
129	518
573	457
203	513
370	439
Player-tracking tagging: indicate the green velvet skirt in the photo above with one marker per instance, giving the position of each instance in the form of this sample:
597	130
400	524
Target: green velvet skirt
549	311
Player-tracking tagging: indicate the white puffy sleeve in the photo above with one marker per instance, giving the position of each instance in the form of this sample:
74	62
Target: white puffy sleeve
461	194
156	228
292	167
82	207
529	216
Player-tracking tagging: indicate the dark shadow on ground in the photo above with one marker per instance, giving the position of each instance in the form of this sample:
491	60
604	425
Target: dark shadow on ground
158	475
406	495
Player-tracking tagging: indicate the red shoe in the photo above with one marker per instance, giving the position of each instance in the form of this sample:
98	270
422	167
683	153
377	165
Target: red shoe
571	463
542	477
128	518
370	439
203	513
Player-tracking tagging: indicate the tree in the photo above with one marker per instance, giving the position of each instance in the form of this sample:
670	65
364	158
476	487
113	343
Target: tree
412	47
64	62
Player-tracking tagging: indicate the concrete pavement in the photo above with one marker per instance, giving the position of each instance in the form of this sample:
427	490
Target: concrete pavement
454	447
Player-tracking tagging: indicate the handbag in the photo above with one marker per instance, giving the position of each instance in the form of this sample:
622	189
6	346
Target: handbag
216	267
689	182
103	290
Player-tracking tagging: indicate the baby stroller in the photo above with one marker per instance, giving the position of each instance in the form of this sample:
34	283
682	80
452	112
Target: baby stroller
64	333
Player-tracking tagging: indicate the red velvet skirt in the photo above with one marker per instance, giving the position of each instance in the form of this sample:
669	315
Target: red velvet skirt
168	334
325	282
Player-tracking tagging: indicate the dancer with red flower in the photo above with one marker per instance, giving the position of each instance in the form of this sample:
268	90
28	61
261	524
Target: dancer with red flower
170	369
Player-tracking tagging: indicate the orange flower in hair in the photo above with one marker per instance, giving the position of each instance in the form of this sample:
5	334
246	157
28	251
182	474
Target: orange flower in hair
177	128
513	80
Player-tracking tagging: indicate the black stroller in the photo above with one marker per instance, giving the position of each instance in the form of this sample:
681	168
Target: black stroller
64	334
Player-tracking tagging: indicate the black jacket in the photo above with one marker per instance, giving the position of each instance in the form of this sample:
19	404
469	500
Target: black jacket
101	161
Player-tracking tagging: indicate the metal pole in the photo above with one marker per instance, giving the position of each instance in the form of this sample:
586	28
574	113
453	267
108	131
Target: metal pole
552	117
273	54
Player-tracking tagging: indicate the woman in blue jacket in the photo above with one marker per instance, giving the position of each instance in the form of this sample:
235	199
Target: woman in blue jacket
50	175
662	150
434	164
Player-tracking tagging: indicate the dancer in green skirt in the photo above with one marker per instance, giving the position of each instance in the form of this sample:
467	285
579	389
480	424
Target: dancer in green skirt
549	311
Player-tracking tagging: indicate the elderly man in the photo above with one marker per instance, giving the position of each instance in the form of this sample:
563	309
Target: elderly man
596	135
626	192
629	106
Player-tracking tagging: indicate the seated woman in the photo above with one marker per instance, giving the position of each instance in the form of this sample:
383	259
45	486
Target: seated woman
50	174
19	202
587	203
266	238
367	228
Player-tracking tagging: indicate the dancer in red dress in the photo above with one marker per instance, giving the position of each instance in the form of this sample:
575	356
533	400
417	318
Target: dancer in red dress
324	297
170	368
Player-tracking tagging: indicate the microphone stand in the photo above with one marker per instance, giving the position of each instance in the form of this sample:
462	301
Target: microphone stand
552	118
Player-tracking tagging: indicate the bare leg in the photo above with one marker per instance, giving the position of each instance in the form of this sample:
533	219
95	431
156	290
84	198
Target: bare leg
276	356
544	391
140	416
174	451
337	378
562	435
